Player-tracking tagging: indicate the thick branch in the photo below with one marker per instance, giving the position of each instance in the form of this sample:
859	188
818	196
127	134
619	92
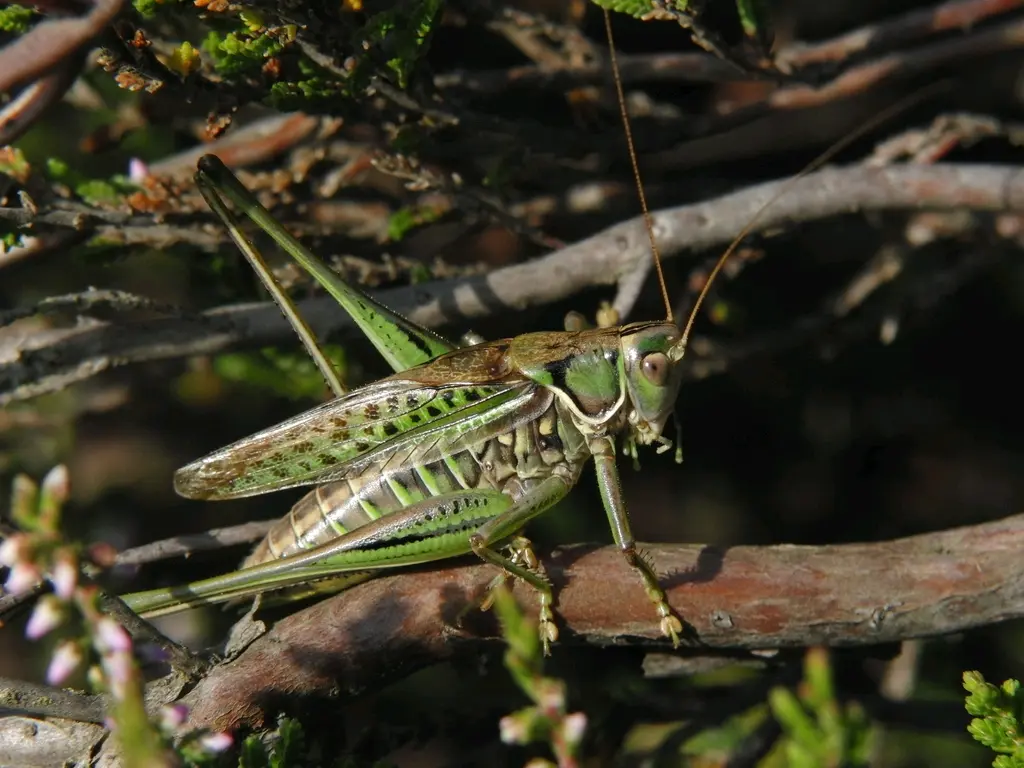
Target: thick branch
49	360
739	598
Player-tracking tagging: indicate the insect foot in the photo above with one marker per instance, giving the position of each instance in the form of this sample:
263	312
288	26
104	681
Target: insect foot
522	554
671	626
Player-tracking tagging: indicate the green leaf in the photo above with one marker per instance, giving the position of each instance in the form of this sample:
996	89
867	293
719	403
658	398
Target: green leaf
404	220
98	192
634	8
755	20
237	52
253	754
403	33
288	374
997	718
15	18
287	750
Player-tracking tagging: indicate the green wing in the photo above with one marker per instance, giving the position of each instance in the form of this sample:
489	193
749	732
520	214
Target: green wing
341	437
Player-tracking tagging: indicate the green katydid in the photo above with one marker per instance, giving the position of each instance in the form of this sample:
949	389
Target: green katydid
454	453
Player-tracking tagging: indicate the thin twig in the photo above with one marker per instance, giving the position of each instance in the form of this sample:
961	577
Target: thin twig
895	33
18	116
43	47
31	699
187	544
49	360
178	656
859	79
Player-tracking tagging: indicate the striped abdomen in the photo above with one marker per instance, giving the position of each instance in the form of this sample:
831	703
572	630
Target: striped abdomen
511	461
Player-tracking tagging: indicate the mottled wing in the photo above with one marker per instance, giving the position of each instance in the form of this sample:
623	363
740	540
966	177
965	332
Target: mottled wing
334	439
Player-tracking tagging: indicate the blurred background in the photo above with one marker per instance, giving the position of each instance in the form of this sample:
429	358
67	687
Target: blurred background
800	424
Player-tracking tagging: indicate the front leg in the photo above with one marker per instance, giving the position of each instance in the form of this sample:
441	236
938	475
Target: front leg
611	496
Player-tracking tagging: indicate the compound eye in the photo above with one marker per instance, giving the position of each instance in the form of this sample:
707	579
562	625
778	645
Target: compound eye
655	367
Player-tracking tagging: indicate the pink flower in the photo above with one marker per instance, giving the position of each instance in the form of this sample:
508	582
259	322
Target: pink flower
110	637
514	729
57	484
65	660
23	577
550	697
137	170
65	576
13	550
173	716
217	741
46	616
573	727
119	668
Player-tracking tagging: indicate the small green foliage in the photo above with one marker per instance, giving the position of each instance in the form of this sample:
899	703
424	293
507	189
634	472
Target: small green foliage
110	192
404	220
15	18
149	8
291	375
403	34
254	20
546	719
242	51
9	240
14	163
754	18
98	192
184	60
818	729
298	94
634	8
714	745
56	168
420	273
281	749
998	718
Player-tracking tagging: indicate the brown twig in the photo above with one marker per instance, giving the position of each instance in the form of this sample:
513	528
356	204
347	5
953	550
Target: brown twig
895	33
187	544
29	698
178	656
736	599
850	66
38	56
648	68
850	82
17	116
255	143
47	44
49	360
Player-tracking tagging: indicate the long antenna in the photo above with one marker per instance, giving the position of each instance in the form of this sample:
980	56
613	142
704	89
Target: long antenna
648	219
679	349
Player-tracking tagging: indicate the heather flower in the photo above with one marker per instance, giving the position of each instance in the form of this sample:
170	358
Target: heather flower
573	727
173	716
111	637
23	577
119	670
65	660
65	575
13	550
216	742
46	616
